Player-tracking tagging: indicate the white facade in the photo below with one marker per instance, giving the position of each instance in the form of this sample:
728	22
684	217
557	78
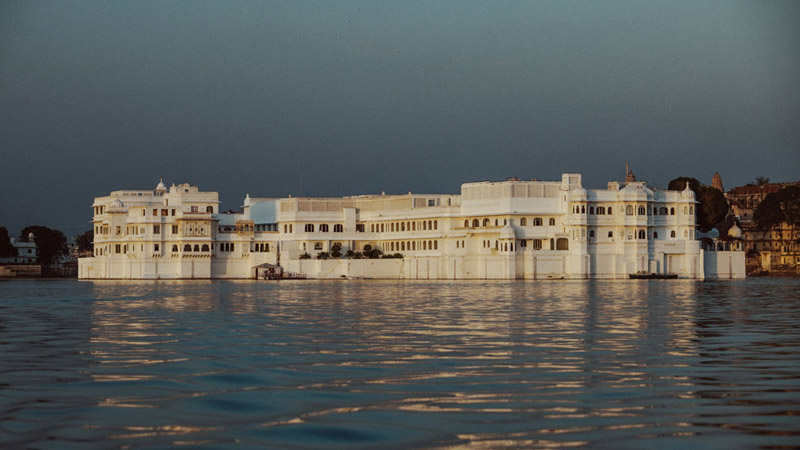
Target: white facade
26	251
493	230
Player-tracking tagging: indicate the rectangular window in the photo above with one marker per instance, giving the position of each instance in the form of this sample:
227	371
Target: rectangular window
155	247
194	209
173	212
359	228
164	212
156	229
174	229
119	229
537	244
155	212
118	248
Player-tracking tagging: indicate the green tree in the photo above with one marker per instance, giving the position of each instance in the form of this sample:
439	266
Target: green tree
323	255
712	207
336	250
6	249
778	208
50	243
84	241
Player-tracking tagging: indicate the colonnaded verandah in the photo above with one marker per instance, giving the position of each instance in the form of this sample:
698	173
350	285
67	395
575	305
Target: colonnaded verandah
512	229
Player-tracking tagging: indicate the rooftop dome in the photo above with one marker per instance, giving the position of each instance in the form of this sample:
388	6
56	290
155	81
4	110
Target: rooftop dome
161	187
579	193
507	232
735	232
687	192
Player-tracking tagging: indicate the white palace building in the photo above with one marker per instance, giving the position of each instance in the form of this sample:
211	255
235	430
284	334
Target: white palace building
511	229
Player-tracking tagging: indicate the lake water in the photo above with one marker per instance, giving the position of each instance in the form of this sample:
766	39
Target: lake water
370	364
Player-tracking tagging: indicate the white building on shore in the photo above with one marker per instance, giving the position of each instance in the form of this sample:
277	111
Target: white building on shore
510	229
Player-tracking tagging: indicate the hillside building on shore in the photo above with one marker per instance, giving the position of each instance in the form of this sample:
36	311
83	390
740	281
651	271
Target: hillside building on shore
776	250
510	229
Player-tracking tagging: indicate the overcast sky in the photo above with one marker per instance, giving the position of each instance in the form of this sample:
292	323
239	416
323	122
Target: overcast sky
362	97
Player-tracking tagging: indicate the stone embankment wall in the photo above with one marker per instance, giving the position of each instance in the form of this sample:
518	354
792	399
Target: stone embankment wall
20	270
724	265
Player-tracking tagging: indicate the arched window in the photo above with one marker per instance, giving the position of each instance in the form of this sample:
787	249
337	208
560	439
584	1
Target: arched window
629	210
435	224
641	211
205	247
403	246
601	210
611	234
424	225
475	223
523	222
591	210
672	234
552	222
196	248
583	209
466	223
174	248
691	210
425	245
486	222
413	226
338	228
187	248
641	234
323	228
591	234
402	226
610	210
655	234
495	222
672	211
391	226
562	244
662	211
537	221
309	228
436	245
210	209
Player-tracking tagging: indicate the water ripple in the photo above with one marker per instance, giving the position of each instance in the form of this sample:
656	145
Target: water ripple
468	365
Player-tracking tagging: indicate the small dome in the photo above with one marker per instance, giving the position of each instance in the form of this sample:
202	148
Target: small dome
161	187
687	192
735	232
117	203
578	194
507	232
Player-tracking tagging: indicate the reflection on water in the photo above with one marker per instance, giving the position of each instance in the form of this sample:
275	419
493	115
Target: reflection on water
400	364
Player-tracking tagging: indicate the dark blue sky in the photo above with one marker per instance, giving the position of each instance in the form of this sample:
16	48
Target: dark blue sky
386	96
